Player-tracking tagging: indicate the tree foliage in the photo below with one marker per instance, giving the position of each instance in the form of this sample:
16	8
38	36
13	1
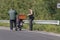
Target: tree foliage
43	9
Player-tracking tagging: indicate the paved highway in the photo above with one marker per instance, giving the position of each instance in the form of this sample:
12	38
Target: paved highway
25	35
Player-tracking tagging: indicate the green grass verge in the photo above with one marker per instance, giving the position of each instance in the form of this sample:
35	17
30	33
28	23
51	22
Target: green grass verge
48	28
4	24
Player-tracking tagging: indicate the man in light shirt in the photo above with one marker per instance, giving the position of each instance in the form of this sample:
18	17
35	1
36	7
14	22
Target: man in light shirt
12	14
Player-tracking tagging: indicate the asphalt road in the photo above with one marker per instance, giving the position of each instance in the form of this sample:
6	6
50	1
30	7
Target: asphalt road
25	35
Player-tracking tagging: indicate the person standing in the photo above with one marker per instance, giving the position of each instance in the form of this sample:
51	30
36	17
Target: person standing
31	18
12	13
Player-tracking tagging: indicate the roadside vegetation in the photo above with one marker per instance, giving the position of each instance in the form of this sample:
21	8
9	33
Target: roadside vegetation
4	24
43	9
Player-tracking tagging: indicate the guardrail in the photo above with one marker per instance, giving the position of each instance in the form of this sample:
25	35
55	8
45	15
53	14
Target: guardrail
36	21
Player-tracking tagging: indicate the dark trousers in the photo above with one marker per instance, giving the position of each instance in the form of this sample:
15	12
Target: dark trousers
12	24
19	24
31	24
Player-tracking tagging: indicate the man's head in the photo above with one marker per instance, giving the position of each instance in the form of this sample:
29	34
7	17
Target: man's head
11	8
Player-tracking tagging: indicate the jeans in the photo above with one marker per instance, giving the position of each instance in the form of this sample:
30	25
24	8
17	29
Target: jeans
12	24
31	24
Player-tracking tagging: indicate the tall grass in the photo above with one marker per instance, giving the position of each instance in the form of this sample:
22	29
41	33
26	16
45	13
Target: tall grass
4	24
48	28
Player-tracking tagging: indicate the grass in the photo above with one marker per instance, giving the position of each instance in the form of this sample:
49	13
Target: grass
4	24
39	27
48	28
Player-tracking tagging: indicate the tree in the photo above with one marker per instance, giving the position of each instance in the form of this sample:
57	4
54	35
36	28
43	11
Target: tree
51	7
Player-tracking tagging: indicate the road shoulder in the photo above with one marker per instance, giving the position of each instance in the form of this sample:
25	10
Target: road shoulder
42	32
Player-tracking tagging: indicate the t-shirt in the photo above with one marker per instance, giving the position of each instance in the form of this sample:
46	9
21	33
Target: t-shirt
12	14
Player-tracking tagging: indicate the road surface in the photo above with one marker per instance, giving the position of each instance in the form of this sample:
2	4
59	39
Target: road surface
25	35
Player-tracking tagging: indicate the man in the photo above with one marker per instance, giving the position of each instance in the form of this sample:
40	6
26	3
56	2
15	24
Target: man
12	13
31	18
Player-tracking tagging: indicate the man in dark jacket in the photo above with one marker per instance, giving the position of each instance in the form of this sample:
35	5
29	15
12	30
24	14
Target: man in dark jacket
12	13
